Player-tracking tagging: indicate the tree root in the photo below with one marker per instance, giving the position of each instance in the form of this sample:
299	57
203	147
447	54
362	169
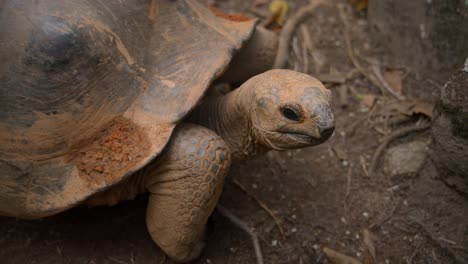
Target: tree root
376	80
239	223
263	206
288	31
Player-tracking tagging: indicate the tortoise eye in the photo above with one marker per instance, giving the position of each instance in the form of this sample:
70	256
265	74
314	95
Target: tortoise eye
293	113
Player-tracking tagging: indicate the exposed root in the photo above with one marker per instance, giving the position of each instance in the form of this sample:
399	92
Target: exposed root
308	45
397	134
239	223
440	243
384	83
288	31
305	49
263	206
353	56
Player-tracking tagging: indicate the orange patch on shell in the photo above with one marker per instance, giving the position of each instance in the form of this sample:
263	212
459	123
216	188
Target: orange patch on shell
233	17
116	151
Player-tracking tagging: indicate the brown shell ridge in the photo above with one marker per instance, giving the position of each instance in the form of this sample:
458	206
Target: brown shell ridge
178	51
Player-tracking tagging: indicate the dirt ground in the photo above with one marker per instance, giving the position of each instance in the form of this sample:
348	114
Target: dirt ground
321	195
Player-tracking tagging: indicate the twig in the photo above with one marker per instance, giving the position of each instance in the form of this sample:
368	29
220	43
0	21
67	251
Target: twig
367	238
288	31
316	55
353	126
352	55
331	77
348	181
397	134
434	239
263	206
352	129
410	260
362	162
384	219
297	53
305	49
239	223
379	76
342	95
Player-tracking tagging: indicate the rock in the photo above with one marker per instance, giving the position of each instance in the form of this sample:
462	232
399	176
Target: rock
405	159
450	132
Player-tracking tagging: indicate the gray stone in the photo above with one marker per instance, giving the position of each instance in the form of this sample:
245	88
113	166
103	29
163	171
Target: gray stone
405	159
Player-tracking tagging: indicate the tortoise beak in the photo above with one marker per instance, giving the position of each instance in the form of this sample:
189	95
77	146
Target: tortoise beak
325	132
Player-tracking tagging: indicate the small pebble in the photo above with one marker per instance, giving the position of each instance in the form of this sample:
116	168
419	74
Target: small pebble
345	163
293	216
358	236
343	220
316	247
348	232
293	230
274	243
365	214
358	254
387	261
254	186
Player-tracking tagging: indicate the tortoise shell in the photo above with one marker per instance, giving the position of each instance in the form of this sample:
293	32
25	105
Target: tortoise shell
91	91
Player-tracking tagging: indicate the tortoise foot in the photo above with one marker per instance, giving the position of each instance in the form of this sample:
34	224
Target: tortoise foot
184	188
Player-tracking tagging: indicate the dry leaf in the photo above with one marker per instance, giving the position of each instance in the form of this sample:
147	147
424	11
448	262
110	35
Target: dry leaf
339	258
369	100
360	5
368	238
423	108
412	107
362	162
394	78
278	11
340	154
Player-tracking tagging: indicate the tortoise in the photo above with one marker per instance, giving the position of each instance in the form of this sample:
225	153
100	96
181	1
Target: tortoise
101	101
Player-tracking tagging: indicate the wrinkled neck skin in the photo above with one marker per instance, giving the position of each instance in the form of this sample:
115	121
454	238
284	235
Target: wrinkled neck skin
229	117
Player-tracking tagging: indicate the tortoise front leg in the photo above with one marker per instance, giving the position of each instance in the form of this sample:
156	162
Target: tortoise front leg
184	187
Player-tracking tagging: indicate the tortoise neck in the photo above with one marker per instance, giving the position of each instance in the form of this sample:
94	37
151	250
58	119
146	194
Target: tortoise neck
229	117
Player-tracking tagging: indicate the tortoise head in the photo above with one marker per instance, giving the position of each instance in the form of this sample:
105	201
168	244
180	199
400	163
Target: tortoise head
290	110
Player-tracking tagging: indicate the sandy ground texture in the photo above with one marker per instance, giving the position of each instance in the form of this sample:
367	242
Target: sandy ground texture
325	198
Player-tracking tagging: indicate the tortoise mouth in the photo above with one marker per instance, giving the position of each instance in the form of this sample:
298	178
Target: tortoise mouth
304	138
309	136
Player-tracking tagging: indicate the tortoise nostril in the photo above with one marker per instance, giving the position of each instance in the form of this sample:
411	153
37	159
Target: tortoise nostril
326	132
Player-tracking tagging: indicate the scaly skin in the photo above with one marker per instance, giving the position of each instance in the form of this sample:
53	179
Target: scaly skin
184	185
186	181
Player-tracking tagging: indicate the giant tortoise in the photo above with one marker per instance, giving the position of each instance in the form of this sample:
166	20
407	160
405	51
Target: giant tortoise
103	100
